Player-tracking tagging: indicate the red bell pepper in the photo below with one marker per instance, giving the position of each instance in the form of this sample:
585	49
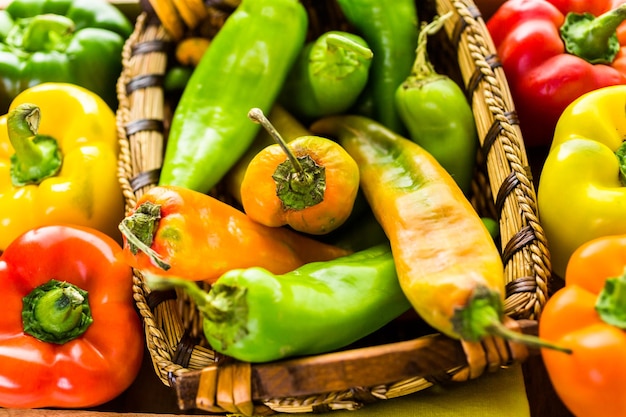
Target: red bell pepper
69	334
553	51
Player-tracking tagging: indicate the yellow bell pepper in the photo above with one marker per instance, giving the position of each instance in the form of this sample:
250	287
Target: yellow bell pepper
582	193
58	162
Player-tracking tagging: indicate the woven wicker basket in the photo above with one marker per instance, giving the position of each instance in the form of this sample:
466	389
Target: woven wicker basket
385	368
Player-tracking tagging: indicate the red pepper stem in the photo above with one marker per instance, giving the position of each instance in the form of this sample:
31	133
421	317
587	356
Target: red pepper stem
422	67
36	156
56	312
611	302
257	116
45	32
593	38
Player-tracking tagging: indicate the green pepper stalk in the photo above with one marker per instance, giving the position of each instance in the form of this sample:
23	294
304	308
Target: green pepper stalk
435	110
56	312
593	38
328	77
36	156
390	29
255	316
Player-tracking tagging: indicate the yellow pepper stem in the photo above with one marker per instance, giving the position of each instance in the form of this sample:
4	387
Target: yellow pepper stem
36	156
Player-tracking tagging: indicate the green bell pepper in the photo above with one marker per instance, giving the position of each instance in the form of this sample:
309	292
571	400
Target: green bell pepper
72	41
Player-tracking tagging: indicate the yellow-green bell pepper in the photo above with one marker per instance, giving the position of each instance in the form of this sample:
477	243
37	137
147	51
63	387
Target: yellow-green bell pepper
58	162
582	192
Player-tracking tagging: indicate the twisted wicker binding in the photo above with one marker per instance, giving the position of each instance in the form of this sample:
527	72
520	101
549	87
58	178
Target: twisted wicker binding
502	188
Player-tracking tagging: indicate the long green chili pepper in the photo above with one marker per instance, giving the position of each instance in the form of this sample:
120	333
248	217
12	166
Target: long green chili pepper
437	115
390	29
255	316
244	67
328	77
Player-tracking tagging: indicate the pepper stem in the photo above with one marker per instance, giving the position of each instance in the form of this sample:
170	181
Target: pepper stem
56	312
591	38
139	229
611	302
621	161
36	157
45	32
300	182
423	67
337	42
483	317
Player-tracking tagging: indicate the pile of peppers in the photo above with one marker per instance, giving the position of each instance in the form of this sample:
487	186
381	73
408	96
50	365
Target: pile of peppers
554	51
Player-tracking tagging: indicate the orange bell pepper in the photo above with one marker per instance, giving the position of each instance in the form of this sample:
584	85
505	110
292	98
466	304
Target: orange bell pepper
588	316
309	184
175	231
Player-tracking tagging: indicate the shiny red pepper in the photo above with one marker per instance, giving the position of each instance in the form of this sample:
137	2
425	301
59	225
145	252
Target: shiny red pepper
69	334
551	56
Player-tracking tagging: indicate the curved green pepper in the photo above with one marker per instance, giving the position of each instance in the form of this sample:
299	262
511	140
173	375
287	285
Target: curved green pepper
437	115
390	29
73	41
254	316
328	76
244	67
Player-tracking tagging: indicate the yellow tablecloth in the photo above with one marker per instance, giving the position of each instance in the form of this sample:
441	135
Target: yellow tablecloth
492	395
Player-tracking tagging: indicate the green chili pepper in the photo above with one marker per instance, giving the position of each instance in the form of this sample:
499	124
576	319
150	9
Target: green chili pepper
437	115
390	29
254	316
75	41
328	77
244	67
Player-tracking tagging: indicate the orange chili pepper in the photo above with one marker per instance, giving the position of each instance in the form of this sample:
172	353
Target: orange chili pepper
310	183
175	231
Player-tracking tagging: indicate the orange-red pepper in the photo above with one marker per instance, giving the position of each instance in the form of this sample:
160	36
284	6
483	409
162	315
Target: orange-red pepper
588	316
175	231
69	333
309	184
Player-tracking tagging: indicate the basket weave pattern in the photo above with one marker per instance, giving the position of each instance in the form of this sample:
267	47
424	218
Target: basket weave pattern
502	188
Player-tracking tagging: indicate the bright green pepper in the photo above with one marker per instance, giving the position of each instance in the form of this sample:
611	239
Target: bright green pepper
72	41
244	67
390	29
437	115
328	76
255	316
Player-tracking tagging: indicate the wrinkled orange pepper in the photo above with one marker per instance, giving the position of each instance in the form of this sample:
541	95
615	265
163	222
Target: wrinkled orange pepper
588	316
310	183
175	231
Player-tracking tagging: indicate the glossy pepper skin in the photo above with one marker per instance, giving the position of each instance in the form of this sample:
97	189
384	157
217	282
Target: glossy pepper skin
586	169
390	29
546	73
68	166
104	353
255	316
447	263
588	316
175	231
310	183
244	67
437	115
72	41
328	76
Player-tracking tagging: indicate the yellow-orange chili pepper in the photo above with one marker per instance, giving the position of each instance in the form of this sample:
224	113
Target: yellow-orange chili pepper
310	183
175	231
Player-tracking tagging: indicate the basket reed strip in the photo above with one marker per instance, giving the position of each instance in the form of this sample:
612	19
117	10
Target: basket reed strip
527	267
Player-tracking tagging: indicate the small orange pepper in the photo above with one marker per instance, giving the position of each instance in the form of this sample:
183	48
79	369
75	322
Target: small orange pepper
310	183
175	231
